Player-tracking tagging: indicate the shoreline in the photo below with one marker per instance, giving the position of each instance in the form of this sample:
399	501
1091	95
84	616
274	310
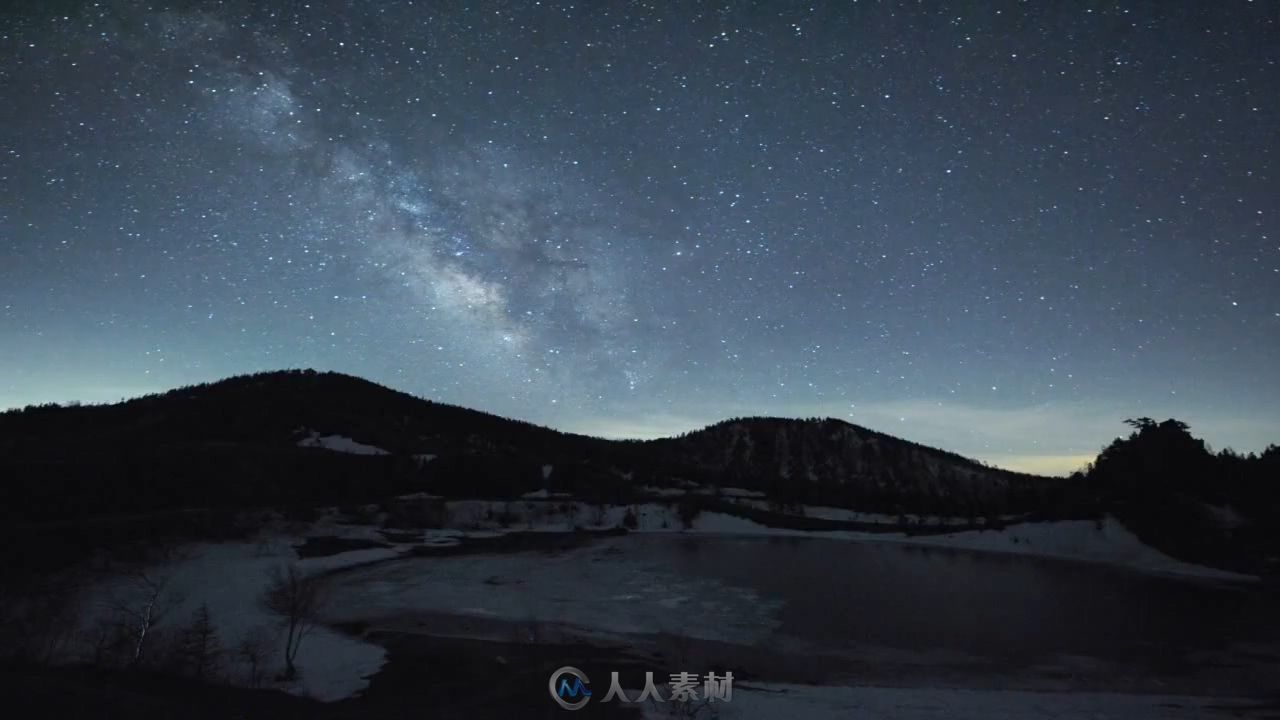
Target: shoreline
1103	541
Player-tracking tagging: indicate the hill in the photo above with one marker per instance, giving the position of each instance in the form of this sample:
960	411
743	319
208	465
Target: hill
257	440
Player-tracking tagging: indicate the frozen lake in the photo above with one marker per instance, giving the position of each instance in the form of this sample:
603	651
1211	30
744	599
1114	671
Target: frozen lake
880	603
1001	606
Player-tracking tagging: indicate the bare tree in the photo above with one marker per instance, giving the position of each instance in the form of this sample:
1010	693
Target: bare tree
200	647
145	603
254	651
297	599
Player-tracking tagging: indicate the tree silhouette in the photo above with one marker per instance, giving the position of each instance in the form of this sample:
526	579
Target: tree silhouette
296	598
1168	487
1140	424
200	646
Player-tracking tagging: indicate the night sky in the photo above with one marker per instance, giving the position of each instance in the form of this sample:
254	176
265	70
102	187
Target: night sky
998	229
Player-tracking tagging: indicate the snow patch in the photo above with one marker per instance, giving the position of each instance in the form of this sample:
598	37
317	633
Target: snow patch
844	515
1225	516
555	516
340	443
662	491
714	522
543	494
1106	541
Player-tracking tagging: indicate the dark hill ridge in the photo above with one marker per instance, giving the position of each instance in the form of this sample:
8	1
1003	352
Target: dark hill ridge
828	461
265	408
234	443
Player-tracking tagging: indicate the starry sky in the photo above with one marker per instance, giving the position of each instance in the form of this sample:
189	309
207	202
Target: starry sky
999	228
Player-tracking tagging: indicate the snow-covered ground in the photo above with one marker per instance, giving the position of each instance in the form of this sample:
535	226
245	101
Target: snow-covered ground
842	514
775	702
1107	541
661	491
534	513
1226	516
543	493
340	443
821	512
230	579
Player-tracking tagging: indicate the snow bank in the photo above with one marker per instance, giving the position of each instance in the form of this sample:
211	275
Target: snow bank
740	493
1225	517
752	701
543	494
844	515
714	522
821	512
662	491
1107	542
339	443
1084	540
329	527
537	515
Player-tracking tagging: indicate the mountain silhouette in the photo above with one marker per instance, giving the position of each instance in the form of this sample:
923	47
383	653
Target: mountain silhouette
243	442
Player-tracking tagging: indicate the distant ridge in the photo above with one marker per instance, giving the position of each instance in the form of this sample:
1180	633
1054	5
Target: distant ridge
235	442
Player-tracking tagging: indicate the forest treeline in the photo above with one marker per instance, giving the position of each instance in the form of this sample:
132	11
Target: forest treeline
1168	486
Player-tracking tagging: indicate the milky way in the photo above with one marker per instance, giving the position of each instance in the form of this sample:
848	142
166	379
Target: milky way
1000	230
